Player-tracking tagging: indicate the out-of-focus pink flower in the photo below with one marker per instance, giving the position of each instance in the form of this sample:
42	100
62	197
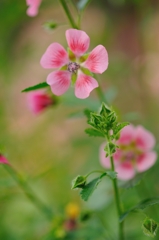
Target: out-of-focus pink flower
73	66
33	7
38	101
3	160
135	152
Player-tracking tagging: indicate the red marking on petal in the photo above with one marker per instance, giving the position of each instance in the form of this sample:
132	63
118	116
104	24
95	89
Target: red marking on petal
78	41
59	81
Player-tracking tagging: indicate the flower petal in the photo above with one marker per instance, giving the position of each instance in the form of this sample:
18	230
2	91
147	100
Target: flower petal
32	11
144	139
125	171
38	101
105	161
146	161
126	135
97	60
84	85
54	57
78	41
59	81
3	160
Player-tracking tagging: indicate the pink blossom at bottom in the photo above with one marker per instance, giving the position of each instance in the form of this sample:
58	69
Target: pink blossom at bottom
3	160
39	101
134	154
33	7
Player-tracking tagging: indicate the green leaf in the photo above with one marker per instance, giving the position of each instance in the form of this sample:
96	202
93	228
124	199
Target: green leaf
150	227
112	174
89	188
118	127
35	87
110	148
93	132
105	110
141	206
87	112
82	4
95	120
79	182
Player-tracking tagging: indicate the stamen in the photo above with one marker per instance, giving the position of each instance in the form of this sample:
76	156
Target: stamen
73	67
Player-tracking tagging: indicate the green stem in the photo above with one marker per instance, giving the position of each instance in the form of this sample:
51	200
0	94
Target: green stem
28	192
95	171
68	14
117	200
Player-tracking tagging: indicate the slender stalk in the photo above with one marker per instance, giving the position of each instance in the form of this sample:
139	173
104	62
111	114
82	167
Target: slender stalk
28	192
95	171
117	200
68	14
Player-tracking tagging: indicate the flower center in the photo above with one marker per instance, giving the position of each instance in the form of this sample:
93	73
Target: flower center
73	67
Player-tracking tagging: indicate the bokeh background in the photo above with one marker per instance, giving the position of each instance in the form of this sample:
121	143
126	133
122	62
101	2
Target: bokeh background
51	149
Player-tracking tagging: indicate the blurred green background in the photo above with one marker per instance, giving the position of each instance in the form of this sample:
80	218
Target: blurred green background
50	149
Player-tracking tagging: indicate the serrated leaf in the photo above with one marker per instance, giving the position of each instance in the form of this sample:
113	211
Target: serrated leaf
93	132
110	148
89	188
112	174
119	127
79	182
105	110
150	227
82	4
141	206
35	87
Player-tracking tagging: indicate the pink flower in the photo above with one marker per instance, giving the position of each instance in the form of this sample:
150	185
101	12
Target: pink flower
3	160
33	7
134	154
73	66
38	101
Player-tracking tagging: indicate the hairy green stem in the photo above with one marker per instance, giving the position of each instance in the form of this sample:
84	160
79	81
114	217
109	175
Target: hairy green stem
117	200
68	14
28	192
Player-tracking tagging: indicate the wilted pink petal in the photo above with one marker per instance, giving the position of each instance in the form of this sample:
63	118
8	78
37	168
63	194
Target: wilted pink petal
97	61
78	41
127	135
54	57
125	171
33	6
59	81
84	85
146	161
105	161
38	101
3	160
144	139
